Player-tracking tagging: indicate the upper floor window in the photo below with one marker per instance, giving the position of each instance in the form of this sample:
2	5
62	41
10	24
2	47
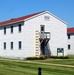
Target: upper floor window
20	45
42	28
68	36
4	45
4	30
11	29
11	45
19	27
69	47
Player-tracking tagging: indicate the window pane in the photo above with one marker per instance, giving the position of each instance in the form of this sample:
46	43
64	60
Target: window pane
4	45
20	44
68	36
69	47
11	45
42	28
19	27
11	29
4	30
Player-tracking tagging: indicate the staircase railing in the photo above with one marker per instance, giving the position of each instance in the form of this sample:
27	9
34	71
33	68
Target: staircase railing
44	35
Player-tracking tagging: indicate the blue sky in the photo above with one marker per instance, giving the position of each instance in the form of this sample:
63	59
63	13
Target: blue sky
64	9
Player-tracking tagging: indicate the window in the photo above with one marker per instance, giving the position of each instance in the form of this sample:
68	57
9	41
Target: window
46	17
11	29
4	30
19	29
20	44
42	28
60	50
69	47
4	45
11	45
69	36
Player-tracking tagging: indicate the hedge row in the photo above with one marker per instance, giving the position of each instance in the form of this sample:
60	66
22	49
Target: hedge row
36	58
42	57
59	57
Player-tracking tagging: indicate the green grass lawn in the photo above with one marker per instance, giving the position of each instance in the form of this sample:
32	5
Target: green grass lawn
69	61
57	61
71	56
25	68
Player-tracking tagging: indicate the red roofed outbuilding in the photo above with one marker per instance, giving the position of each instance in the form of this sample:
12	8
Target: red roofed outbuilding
70	33
70	30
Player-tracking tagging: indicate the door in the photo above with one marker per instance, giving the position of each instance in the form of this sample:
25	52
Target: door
42	28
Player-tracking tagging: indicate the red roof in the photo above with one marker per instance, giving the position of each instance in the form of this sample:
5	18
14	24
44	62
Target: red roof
70	30
18	19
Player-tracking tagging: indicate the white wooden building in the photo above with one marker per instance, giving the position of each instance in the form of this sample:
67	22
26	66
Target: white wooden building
70	33
33	35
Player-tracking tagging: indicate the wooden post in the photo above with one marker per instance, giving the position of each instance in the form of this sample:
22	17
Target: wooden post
39	71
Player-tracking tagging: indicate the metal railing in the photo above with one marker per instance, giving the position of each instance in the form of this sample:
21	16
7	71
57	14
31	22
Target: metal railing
44	35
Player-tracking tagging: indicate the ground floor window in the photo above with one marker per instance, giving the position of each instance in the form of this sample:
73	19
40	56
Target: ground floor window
4	45
11	45
20	45
69	47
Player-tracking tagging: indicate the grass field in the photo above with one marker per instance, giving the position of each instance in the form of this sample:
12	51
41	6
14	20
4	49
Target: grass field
12	67
58	61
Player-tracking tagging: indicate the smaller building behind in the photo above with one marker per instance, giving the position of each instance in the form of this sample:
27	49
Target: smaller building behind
70	33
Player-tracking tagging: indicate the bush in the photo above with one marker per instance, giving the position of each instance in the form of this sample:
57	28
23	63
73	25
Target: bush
41	57
59	57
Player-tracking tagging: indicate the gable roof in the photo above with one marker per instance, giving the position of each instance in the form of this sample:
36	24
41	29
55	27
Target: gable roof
70	30
14	20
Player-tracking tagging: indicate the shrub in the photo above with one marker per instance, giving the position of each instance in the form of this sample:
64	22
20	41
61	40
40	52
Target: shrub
41	57
59	57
